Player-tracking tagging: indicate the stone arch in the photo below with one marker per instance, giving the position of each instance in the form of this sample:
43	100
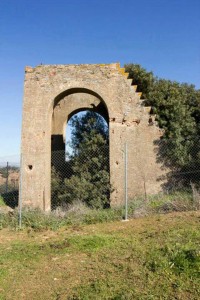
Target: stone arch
45	88
70	102
66	105
76	90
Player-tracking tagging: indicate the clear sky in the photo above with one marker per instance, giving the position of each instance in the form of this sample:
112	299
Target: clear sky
161	35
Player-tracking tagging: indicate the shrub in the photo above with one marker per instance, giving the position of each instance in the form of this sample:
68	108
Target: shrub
2	203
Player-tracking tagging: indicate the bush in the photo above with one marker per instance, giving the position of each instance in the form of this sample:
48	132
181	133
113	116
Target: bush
178	201
2	203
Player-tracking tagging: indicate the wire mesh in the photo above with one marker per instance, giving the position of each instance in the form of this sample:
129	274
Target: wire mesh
183	162
177	182
9	184
81	176
84	175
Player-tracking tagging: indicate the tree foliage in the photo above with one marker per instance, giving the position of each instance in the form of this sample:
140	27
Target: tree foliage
89	181
177	109
143	79
88	131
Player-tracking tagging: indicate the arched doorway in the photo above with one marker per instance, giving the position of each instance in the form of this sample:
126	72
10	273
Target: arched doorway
84	174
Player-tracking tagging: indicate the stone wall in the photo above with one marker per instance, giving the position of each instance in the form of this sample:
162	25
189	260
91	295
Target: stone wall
52	93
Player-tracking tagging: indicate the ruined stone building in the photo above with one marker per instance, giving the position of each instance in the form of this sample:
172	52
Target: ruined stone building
54	93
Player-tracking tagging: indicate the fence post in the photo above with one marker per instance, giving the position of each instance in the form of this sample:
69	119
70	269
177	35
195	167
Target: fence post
126	182
7	174
20	193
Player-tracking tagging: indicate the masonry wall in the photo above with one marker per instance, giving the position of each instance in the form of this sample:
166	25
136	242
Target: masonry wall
52	93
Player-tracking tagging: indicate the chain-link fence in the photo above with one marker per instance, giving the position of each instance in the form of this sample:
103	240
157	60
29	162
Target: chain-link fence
182	161
168	175
9	183
169	170
83	176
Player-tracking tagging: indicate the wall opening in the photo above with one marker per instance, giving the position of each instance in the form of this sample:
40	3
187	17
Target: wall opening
80	170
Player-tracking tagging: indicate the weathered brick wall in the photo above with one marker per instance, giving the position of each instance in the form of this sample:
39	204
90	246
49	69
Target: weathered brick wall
52	93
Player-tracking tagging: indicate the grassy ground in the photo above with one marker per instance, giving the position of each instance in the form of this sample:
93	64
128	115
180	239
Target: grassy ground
156	257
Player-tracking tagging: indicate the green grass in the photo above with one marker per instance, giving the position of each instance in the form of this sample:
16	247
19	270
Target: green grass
156	257
2	203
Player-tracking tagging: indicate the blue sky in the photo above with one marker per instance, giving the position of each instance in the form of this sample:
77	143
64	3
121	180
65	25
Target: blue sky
161	35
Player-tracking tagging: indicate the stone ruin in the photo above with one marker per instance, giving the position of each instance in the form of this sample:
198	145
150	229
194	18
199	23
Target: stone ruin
54	93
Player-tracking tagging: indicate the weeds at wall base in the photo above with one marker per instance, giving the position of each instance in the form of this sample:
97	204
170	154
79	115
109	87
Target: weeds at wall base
78	213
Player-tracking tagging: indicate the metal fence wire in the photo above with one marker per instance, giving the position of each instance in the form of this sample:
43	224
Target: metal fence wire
9	184
81	176
84	175
182	162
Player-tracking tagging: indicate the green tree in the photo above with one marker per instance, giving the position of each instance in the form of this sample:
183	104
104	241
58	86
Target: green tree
56	187
143	79
89	161
174	114
88	130
177	109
